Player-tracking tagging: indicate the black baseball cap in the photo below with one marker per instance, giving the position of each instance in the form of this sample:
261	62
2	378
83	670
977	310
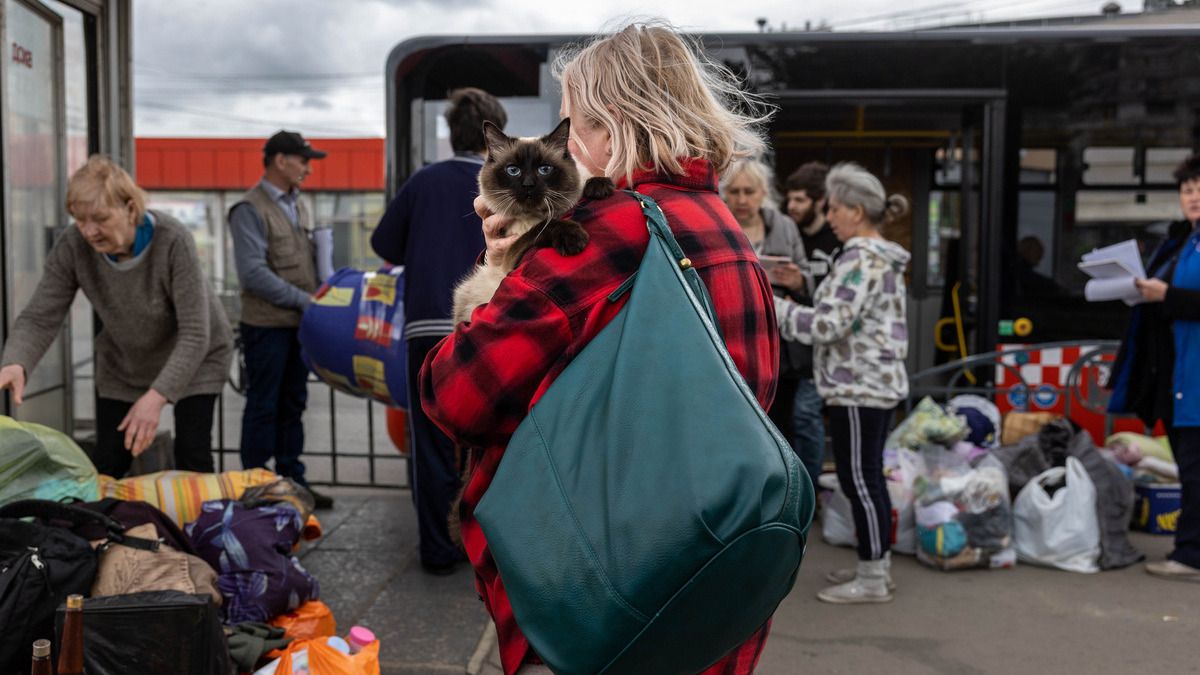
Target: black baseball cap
291	143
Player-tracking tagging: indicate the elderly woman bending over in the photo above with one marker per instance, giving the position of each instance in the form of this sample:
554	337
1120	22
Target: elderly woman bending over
165	339
859	329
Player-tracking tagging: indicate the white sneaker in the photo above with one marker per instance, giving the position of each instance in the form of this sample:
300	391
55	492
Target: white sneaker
1171	569
847	574
869	585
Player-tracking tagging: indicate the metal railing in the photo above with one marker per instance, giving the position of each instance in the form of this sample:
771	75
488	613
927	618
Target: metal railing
951	379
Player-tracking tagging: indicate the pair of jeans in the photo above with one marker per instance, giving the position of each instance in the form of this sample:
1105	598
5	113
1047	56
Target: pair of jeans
1185	445
434	472
193	435
859	435
808	427
276	395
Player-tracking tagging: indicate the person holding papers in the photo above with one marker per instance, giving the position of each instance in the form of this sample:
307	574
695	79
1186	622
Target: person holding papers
1157	371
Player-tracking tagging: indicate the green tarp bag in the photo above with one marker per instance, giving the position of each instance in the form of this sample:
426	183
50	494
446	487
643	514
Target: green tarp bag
37	462
647	517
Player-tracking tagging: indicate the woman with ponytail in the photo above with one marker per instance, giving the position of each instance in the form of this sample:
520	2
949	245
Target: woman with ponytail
858	326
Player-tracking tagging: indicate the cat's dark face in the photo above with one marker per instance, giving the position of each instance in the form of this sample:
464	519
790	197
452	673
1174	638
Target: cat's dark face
528	177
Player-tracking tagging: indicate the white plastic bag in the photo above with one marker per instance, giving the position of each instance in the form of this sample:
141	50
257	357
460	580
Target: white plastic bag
1062	530
837	518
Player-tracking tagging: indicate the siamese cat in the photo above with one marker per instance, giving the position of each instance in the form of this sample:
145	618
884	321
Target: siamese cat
534	181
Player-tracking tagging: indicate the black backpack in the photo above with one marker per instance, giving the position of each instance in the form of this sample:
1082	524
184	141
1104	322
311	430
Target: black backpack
40	565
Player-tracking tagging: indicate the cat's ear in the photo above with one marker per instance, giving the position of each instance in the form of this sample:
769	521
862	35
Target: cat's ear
497	141
558	138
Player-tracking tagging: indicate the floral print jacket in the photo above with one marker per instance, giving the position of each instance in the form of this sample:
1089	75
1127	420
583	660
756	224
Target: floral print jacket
858	326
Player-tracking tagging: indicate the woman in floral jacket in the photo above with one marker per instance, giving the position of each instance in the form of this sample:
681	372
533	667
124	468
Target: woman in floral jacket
859	330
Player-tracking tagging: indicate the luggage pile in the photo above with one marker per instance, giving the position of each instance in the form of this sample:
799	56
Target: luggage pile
972	489
175	572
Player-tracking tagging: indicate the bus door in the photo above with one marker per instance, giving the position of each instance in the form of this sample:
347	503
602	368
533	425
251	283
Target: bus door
34	170
936	153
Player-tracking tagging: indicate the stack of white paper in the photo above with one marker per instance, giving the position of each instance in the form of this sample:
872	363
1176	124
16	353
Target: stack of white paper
1114	270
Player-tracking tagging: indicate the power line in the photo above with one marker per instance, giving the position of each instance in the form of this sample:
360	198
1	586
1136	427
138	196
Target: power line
212	114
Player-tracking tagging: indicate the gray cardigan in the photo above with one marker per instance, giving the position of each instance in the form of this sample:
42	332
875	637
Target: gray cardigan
163	327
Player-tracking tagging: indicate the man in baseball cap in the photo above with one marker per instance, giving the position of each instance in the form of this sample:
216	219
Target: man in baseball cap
275	251
290	143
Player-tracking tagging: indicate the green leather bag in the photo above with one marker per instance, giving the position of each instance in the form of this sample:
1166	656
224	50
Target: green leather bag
647	517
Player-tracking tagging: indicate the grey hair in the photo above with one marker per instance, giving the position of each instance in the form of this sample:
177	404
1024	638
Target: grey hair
760	172
851	185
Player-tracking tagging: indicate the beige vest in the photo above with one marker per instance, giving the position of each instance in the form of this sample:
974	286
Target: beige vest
290	255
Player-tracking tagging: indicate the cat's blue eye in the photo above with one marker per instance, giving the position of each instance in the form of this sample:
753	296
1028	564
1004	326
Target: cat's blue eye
545	169
512	170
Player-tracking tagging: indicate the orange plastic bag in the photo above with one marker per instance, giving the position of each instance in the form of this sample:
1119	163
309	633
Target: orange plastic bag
311	620
325	660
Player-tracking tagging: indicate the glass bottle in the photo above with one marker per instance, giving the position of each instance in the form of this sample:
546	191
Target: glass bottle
41	658
70	655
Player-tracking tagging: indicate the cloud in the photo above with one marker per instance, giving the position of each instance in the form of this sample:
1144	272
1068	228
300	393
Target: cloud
217	67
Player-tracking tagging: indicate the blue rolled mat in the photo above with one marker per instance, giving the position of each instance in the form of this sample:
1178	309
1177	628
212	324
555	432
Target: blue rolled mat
352	334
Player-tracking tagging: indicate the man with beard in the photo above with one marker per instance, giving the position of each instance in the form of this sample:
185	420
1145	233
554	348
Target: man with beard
806	206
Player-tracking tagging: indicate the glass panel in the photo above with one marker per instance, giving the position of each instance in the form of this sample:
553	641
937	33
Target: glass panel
75	74
353	217
35	184
1161	163
1108	166
1038	166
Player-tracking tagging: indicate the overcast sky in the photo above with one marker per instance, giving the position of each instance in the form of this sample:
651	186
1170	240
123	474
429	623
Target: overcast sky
238	68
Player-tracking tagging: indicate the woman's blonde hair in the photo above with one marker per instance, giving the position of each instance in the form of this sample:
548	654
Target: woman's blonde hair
759	172
851	185
102	181
661	99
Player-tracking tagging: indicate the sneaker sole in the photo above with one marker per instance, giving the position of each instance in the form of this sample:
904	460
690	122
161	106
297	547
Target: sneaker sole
835	578
864	600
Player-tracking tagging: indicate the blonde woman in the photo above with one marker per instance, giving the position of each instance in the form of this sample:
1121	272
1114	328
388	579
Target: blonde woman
748	189
165	338
858	325
648	111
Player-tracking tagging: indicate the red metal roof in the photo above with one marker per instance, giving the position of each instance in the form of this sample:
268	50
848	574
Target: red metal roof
352	164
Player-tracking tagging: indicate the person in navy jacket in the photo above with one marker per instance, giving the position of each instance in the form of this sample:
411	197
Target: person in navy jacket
431	228
1157	371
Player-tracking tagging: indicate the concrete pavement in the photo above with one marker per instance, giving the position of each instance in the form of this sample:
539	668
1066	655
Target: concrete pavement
1025	619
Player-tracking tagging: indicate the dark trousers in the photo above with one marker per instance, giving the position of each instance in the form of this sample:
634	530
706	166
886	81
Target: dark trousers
193	435
808	424
434	472
858	438
781	408
1185	444
276	394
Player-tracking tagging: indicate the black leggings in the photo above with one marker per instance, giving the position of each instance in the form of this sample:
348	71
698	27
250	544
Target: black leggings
858	438
193	435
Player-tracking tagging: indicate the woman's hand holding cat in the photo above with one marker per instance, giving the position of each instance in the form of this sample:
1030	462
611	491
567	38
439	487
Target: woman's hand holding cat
495	233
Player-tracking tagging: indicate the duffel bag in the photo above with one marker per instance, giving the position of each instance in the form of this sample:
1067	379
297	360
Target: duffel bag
40	565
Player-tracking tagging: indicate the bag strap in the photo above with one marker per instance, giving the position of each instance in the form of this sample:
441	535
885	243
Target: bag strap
47	510
656	221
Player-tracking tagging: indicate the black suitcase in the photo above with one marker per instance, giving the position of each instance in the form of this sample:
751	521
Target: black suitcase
152	633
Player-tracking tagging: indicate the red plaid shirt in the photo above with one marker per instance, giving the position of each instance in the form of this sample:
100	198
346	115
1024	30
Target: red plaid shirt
483	379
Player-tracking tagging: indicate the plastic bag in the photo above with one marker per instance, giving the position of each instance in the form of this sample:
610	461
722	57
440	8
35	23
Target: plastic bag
311	620
963	515
1061	530
928	423
837	518
37	462
325	660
